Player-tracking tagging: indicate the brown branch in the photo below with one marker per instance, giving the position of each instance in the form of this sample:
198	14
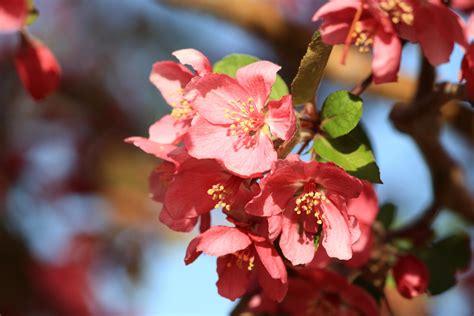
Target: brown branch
362	86
421	120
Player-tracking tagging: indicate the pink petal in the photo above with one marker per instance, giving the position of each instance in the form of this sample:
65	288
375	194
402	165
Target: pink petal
216	94
170	79
37	68
160	150
337	238
386	59
181	225
281	118
366	206
362	249
274	226
333	34
334	8
258	79
296	245
195	59
334	179
12	15
233	281
271	260
221	240
470	27
168	130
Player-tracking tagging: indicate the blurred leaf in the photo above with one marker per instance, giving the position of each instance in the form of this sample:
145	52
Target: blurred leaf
341	113
351	153
403	244
387	214
231	63
306	82
33	13
317	238
444	259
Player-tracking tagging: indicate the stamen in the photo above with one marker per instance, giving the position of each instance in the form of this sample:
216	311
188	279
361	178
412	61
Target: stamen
219	194
309	202
399	11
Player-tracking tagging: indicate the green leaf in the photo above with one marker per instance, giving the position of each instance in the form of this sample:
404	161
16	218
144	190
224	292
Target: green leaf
341	113
231	63
306	82
351	153
387	214
444	259
317	238
33	13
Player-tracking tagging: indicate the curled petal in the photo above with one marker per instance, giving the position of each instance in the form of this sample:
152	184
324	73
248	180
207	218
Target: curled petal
221	240
195	59
170	78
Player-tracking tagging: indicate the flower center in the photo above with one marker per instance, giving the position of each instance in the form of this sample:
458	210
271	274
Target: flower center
182	109
362	38
308	203
219	193
244	258
399	11
247	119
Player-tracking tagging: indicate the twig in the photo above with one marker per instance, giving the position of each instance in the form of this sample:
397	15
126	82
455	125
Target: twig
361	87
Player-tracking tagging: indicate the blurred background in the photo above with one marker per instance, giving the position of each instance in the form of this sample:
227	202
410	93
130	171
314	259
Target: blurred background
78	232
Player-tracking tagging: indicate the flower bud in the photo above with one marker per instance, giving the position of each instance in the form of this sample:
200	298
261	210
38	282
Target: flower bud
411	276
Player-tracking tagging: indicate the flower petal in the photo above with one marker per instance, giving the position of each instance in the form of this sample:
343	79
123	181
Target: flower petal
296	245
195	59
233	281
271	260
182	225
221	240
274	288
170	79
37	67
258	79
281	118
337	238
12	15
386	60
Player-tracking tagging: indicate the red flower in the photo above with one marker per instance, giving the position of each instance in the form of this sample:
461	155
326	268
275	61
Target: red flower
465	5
435	27
241	256
467	69
37	67
319	292
411	276
364	24
303	200
190	188
12	15
236	121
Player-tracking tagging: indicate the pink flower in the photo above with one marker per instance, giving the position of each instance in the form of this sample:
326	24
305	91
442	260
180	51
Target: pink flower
241	255
411	276
37	68
318	292
174	81
365	207
12	15
368	27
303	200
470	27
433	25
467	69
237	123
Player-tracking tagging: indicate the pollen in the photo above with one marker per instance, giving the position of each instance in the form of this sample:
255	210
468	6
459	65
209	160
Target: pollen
362	38
399	10
182	109
218	193
308	203
244	259
246	118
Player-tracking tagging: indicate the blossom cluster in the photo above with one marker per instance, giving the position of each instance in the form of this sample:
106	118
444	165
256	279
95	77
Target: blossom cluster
383	26
220	151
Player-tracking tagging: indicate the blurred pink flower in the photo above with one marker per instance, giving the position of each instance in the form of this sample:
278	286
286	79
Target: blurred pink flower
411	276
12	15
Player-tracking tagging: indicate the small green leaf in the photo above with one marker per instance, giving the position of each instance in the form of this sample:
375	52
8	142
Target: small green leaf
231	63
306	82
341	113
33	13
387	214
444	259
351	153
317	238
